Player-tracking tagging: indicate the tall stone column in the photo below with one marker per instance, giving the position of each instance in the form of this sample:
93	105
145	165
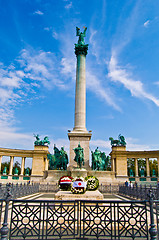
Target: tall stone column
136	168
80	133
80	98
11	165
22	166
147	167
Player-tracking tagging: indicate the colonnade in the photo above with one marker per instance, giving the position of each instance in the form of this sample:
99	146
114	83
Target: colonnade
119	156
147	167
23	159
38	156
12	163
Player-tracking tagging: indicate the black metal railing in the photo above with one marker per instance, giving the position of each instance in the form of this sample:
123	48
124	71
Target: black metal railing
48	187
109	188
139	192
106	220
1	205
157	215
19	190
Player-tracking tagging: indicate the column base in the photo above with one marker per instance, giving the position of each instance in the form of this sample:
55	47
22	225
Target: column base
83	138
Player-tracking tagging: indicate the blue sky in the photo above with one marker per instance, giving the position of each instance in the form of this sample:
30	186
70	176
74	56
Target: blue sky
38	67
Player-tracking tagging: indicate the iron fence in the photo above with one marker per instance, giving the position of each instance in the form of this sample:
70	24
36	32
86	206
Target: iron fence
19	190
48	187
139	192
1	205
111	220
157	215
44	220
109	188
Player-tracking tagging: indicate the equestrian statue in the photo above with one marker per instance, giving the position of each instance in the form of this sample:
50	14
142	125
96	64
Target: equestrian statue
59	160
99	160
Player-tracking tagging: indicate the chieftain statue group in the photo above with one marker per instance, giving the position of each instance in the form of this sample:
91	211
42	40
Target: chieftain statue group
59	160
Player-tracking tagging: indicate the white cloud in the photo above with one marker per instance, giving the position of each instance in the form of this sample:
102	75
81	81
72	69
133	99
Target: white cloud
100	143
121	75
55	35
9	138
31	70
95	86
94	44
146	24
47	29
68	6
61	142
132	145
38	12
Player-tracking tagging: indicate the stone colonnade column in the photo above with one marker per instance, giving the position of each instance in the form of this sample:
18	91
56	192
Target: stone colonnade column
147	167
11	165
136	168
46	165
22	166
113	164
0	163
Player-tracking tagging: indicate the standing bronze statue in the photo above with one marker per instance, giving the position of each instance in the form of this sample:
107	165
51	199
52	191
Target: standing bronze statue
79	156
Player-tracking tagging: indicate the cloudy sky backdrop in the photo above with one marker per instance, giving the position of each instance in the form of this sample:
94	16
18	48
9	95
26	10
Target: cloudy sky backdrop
38	67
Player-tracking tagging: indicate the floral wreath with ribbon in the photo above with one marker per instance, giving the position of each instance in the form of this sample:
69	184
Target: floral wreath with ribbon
92	183
79	185
65	183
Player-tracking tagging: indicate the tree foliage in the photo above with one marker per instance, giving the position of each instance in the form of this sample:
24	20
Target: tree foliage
3	165
153	165
131	165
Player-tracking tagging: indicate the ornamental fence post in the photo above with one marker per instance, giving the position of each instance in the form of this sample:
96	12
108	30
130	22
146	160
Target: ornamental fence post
152	230
4	230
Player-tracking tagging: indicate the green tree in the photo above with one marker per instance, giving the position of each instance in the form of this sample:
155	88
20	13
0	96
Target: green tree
29	170
109	165
16	165
3	165
153	165
131	165
142	165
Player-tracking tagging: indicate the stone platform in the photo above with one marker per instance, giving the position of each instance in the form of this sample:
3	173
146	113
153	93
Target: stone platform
88	195
104	177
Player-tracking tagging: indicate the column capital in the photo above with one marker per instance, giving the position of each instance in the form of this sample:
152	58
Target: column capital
81	49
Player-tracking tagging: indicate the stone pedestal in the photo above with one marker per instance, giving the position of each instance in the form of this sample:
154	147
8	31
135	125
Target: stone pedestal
88	195
119	157
83	138
55	175
77	172
38	163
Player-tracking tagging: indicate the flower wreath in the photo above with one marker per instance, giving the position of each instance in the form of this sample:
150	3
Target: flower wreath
92	183
78	185
65	183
